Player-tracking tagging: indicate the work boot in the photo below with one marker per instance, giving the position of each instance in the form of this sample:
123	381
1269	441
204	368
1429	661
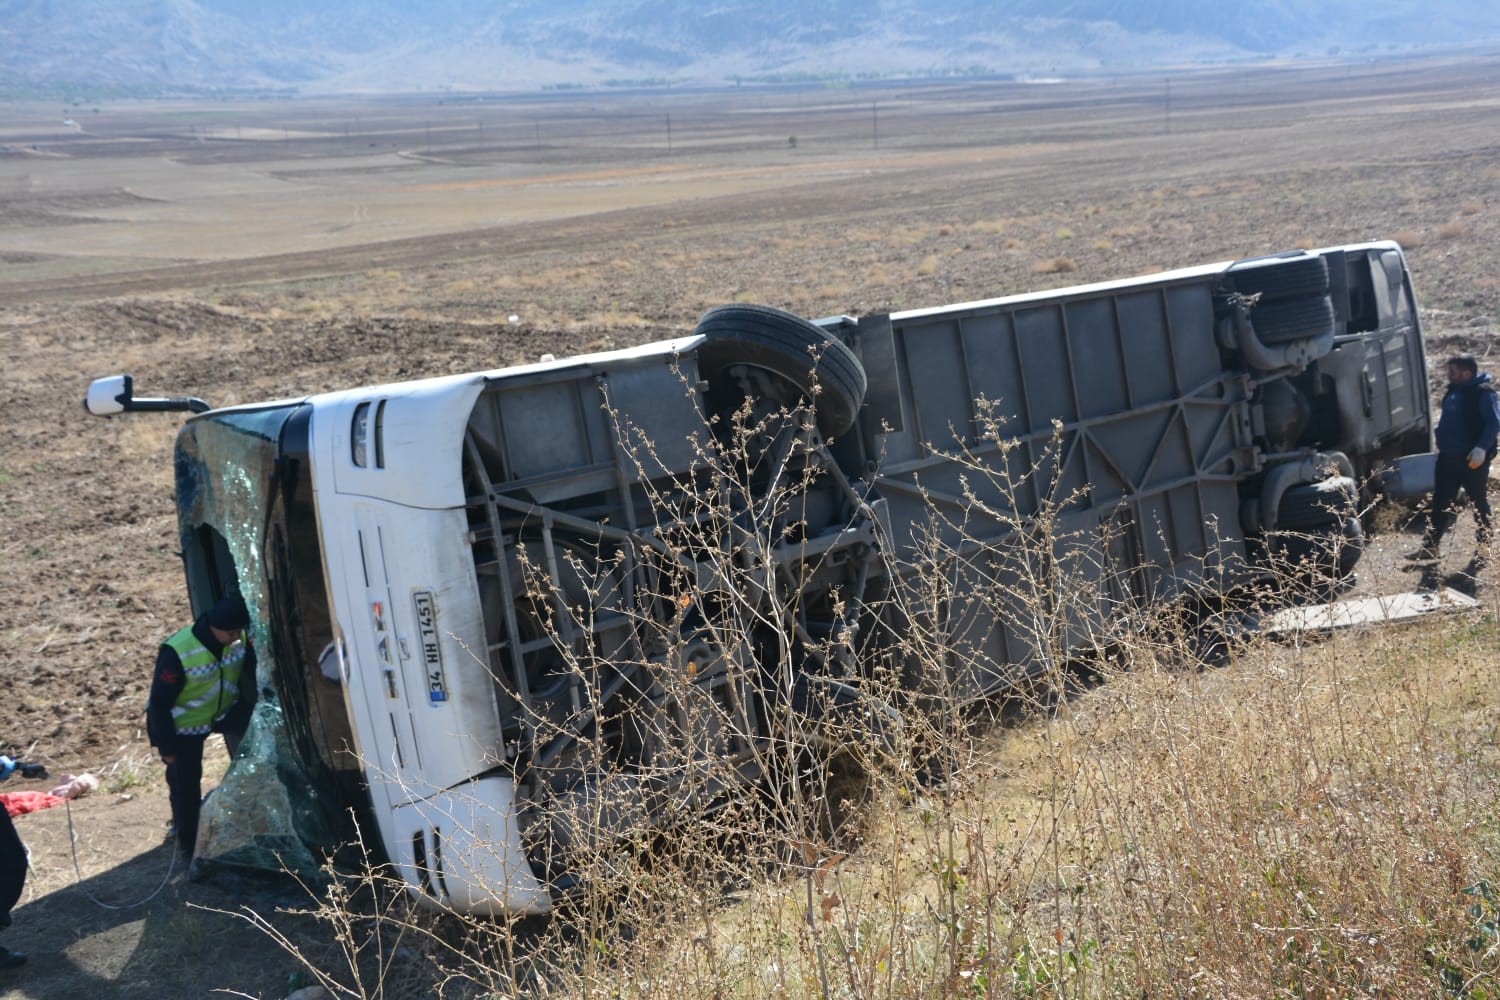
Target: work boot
11	959
1426	553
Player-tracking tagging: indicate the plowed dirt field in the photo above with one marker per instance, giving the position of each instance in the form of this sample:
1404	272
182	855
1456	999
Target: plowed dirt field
245	252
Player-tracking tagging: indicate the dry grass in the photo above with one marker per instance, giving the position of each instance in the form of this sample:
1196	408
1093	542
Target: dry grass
1409	239
1295	819
1452	229
1313	816
618	319
1054	265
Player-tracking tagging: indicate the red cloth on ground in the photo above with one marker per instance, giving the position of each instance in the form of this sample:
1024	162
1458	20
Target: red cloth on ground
19	803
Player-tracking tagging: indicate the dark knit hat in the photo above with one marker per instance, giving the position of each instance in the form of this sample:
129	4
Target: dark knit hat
229	614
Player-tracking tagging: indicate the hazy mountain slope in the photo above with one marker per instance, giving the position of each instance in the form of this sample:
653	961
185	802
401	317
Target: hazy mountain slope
394	45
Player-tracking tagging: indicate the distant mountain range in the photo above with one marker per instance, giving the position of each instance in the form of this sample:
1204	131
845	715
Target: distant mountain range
325	46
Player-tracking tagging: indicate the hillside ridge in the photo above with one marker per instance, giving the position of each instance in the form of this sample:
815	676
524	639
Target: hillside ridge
341	46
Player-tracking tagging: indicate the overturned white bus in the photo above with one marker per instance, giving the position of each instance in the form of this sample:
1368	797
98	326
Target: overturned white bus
492	606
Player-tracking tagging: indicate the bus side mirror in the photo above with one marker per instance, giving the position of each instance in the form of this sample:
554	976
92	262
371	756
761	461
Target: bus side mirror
108	396
115	394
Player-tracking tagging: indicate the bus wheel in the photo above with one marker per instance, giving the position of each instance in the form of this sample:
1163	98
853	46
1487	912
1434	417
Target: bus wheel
1282	321
744	341
1282	279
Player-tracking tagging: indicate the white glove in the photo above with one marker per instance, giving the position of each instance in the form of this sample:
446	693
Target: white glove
1476	458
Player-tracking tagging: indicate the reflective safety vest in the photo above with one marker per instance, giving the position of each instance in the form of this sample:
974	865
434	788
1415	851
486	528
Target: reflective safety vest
211	684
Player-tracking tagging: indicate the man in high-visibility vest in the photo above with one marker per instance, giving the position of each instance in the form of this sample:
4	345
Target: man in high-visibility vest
204	683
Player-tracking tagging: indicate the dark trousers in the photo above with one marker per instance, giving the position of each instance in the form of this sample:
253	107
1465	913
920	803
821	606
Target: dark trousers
185	785
12	866
1453	474
185	790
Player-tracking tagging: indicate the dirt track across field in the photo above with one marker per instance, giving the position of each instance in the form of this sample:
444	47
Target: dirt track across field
242	252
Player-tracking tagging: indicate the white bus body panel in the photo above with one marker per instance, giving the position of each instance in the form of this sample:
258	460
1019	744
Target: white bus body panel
406	609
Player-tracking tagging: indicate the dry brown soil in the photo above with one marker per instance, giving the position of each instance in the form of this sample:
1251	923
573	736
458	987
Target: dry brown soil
246	251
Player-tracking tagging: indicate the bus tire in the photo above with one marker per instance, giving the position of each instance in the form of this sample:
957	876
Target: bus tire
1313	505
1322	553
797	352
1281	321
1282	279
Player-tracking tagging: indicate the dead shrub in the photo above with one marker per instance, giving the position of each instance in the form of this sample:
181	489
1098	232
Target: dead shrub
1054	265
1452	229
1408	239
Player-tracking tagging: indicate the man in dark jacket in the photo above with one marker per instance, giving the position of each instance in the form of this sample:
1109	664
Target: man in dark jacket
1466	432
13	866
204	683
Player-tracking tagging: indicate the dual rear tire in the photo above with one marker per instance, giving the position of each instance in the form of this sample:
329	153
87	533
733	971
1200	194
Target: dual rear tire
1291	297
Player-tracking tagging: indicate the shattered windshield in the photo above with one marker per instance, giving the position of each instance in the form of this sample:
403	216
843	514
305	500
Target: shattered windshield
245	517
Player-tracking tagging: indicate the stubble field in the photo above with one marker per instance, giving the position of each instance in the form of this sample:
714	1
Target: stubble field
263	250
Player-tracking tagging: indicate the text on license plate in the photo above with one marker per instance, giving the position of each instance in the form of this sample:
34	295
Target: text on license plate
432	650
